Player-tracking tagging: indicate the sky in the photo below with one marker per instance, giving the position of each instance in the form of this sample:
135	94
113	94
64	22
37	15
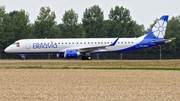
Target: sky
142	11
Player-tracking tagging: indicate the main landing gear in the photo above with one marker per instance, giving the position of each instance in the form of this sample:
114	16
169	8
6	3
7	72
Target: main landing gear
86	57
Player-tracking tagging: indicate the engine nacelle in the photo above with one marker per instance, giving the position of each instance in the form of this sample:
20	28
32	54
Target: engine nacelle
71	53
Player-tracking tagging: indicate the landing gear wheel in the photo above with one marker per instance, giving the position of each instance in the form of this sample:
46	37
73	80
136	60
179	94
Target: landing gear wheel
83	57
86	57
89	57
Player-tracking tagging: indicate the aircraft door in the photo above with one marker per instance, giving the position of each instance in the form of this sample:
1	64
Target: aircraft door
28	46
137	43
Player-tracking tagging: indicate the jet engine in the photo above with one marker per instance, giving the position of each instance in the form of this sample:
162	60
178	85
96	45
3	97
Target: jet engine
71	53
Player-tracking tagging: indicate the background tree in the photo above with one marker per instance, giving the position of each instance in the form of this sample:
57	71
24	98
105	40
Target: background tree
12	14
70	27
44	23
56	31
173	31
93	22
21	27
121	24
4	29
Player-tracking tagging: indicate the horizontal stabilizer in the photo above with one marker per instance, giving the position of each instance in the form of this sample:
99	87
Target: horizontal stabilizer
165	40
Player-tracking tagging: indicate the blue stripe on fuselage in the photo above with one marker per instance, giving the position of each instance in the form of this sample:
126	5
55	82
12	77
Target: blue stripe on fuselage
146	43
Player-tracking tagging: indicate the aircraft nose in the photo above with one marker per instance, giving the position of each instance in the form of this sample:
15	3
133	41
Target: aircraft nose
7	50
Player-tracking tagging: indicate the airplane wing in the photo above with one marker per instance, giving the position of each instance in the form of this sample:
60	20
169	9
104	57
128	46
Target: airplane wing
164	40
88	49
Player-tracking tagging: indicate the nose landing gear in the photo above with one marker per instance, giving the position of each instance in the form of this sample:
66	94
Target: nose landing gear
22	56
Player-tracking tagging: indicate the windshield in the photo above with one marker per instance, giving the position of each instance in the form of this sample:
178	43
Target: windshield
16	43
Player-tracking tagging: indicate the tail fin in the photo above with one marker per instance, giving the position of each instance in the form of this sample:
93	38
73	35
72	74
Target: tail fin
159	29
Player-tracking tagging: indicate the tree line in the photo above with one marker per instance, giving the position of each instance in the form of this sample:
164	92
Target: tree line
16	25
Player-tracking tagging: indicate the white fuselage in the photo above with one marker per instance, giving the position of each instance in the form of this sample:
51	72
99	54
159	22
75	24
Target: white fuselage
60	45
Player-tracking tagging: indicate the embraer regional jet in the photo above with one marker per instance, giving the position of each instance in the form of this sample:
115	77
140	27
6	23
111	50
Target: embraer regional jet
85	47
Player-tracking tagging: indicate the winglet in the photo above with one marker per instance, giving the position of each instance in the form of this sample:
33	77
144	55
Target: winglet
114	42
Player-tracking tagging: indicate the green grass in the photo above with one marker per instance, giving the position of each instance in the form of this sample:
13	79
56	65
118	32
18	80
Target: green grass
92	64
102	68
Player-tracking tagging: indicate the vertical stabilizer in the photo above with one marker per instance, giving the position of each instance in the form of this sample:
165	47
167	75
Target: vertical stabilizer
159	29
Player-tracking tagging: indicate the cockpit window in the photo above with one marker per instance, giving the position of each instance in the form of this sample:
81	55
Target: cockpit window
17	44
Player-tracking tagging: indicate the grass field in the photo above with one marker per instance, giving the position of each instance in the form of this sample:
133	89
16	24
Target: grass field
90	64
91	85
64	80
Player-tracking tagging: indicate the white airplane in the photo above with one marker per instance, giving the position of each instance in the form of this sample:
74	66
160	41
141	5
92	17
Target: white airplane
73	47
